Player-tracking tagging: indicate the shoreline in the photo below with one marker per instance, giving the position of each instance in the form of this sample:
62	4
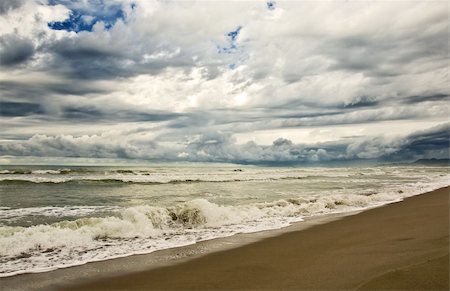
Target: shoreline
400	245
167	257
95	275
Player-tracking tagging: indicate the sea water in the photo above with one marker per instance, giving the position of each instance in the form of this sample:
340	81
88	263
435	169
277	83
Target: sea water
55	217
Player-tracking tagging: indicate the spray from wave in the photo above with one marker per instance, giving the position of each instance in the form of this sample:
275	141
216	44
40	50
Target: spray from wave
144	229
48	237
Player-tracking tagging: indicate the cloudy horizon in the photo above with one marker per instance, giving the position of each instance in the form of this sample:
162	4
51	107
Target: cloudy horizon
247	82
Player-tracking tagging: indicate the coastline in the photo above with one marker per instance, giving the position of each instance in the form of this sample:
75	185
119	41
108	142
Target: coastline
92	271
255	256
401	245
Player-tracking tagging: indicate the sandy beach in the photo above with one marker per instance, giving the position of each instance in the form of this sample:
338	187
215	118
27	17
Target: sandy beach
403	245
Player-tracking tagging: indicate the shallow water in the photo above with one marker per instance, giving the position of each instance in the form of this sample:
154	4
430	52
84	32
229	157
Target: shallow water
53	217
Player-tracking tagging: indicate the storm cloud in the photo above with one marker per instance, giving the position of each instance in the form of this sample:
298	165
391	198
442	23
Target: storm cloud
14	49
222	147
258	82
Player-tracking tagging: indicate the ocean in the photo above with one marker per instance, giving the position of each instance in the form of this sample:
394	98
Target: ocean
58	216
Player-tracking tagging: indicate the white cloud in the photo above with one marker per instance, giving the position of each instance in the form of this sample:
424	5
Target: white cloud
312	72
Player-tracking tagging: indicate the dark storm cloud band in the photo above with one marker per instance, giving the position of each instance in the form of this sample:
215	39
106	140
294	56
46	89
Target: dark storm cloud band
10	109
83	114
221	147
86	114
38	90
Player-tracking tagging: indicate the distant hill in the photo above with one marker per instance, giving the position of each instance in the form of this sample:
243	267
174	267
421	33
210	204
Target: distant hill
432	162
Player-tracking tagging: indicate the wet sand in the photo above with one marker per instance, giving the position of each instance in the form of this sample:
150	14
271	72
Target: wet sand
404	245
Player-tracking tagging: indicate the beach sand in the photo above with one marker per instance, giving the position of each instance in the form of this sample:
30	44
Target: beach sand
402	245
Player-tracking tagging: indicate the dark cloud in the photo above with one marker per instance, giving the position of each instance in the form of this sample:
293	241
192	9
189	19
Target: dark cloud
82	113
318	108
77	50
431	143
7	5
87	114
362	101
38	90
221	147
200	78
426	98
92	68
63	112
357	54
94	146
282	142
12	109
294	115
88	60
15	49
66	146
389	55
300	115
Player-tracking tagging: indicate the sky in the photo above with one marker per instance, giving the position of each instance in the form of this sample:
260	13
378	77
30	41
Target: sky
248	82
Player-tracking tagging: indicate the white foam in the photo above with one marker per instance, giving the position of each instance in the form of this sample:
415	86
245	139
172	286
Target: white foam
145	228
138	229
52	211
147	176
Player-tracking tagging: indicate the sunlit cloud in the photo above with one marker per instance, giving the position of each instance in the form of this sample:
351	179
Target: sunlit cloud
162	80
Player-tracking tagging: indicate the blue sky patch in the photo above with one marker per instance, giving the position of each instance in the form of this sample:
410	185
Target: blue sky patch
235	50
232	35
232	46
84	15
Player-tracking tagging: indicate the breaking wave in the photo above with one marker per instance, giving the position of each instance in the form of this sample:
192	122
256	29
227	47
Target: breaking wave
99	175
144	229
138	179
37	239
39	172
12	214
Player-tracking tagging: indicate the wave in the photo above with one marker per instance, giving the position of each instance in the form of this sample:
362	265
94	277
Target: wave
85	180
81	234
39	172
154	179
145	228
64	171
127	180
179	175
11	214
